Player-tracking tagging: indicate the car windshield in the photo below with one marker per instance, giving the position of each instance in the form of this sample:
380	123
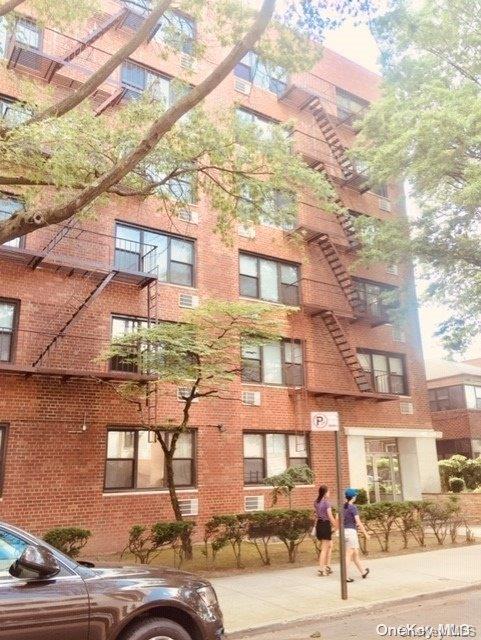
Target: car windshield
11	548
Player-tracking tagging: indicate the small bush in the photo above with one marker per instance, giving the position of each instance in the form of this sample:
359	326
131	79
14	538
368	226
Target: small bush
228	529
362	497
146	544
292	527
68	540
261	527
457	485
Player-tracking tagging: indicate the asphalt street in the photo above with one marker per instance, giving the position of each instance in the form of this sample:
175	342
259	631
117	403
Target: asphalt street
426	615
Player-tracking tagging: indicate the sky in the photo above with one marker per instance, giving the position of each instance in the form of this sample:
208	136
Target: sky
356	43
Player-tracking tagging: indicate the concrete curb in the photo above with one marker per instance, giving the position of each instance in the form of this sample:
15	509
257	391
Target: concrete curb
346	613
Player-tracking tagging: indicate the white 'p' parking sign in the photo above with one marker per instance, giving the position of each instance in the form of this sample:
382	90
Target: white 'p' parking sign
324	421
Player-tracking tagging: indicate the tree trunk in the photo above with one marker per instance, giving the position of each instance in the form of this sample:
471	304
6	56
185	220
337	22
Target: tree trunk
10	5
174	500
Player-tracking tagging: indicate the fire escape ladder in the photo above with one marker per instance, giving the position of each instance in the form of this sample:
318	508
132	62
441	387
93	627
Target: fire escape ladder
96	34
348	354
152	391
329	132
346	224
73	318
338	269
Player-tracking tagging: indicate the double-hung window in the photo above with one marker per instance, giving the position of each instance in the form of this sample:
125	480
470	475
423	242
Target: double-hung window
12	111
182	188
268	279
135	460
8	207
264	126
275	363
274	207
8	328
375	299
349	105
445	398
23	32
123	326
170	258
386	370
268	454
268	76
177	30
137	79
473	396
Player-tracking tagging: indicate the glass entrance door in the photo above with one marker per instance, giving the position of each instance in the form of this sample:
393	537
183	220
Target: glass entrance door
383	470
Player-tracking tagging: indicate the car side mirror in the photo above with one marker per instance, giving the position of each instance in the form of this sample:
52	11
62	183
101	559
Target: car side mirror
35	563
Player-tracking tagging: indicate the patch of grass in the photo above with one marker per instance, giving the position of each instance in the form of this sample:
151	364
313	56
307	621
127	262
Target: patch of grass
225	561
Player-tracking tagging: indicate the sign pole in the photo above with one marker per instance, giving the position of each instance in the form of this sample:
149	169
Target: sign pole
340	502
322	421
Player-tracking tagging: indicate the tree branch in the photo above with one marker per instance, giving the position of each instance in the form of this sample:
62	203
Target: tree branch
71	101
10	5
28	221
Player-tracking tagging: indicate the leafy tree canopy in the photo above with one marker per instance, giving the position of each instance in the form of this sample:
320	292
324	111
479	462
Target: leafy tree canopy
426	129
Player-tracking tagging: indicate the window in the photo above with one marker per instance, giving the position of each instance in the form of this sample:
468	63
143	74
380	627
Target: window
8	207
445	398
123	326
3	451
138	79
181	188
171	258
385	370
376	299
269	280
348	104
276	363
177	30
380	190
12	111
473	396
11	548
8	327
265	126
27	33
265	75
274	206
135	460
268	454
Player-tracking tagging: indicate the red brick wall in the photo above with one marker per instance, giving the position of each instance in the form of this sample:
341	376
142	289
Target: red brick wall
470	504
54	475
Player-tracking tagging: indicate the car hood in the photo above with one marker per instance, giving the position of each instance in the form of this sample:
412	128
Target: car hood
162	576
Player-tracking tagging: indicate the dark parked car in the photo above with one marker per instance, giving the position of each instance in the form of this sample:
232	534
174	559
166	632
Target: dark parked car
45	595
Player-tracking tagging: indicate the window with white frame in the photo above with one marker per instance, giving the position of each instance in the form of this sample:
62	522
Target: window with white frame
386	371
135	460
12	111
263	74
268	454
473	396
8	328
137	79
265	126
124	326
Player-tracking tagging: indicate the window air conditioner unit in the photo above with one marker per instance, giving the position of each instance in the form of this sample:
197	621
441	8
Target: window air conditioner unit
188	301
252	398
187	62
406	408
246	232
242	86
392	269
183	393
253	503
189	507
188	215
384	205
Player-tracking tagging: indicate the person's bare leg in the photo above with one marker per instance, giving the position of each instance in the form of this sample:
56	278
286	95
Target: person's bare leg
348	560
328	552
322	555
357	560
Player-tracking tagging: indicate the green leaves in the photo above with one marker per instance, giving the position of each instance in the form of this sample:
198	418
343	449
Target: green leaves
426	129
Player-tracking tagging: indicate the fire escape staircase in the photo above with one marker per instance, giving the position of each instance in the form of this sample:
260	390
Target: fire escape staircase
152	389
74	317
350	175
329	318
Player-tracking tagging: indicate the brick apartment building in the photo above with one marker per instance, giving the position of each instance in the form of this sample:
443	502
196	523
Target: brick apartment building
69	451
455	403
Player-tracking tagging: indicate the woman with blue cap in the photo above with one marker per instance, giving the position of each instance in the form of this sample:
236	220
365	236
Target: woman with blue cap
352	522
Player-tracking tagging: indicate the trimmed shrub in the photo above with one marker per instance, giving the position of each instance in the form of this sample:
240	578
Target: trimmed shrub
68	540
146	544
262	526
439	516
457	485
293	525
362	497
380	518
285	483
228	529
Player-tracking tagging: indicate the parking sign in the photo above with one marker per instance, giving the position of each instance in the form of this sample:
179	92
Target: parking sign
324	421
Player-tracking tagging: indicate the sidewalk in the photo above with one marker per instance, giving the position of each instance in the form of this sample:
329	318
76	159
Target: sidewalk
274	597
